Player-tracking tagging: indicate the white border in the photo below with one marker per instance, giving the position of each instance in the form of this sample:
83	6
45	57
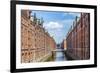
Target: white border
20	65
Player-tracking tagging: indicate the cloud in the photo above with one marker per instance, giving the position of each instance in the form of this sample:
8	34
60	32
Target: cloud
55	30
53	25
58	29
57	35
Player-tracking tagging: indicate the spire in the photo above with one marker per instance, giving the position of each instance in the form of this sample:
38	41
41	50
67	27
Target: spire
30	13
76	19
42	21
35	19
34	16
38	21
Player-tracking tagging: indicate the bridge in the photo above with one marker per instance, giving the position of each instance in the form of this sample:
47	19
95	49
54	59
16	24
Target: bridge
58	50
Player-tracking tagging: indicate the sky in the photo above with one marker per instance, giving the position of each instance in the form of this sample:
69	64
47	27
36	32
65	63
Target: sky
57	23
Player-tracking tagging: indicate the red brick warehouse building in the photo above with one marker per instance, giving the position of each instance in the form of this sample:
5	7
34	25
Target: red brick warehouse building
78	38
36	43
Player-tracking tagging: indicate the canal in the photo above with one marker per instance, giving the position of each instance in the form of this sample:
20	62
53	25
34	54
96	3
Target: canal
57	56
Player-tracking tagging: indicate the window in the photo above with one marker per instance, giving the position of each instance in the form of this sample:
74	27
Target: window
28	38
22	54
29	53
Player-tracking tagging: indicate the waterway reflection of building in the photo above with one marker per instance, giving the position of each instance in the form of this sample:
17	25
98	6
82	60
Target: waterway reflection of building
57	55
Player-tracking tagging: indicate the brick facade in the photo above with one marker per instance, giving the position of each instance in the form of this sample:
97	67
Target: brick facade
78	38
64	44
36	43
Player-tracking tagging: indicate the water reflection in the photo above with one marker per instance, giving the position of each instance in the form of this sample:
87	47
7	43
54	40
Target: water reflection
59	56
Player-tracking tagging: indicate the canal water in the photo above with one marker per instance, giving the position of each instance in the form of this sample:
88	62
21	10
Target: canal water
57	56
